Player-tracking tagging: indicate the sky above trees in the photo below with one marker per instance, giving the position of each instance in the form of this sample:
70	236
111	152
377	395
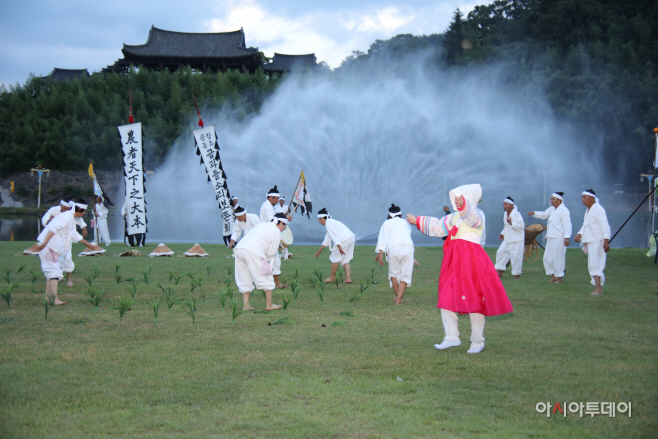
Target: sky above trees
39	35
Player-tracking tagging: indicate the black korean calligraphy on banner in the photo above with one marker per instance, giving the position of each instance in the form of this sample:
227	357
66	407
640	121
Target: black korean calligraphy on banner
133	171
206	146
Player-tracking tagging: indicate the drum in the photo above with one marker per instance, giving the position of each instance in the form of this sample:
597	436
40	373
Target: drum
286	237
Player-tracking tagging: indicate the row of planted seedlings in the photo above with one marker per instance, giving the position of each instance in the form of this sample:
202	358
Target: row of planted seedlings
123	302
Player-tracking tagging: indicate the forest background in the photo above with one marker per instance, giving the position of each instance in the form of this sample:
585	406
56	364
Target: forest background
595	61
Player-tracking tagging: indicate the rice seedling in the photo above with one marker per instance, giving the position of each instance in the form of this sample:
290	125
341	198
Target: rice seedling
191	308
356	296
147	274
222	300
161	287
296	274
228	291
337	282
320	292
95	297
318	274
229	271
294	286
340	276
208	268
91	277
176	276
312	281
47	305
337	322
373	279
123	304
346	314
8	275
21	268
155	304
133	288
116	268
286	301
118	277
281	321
171	301
34	277
7	296
236	310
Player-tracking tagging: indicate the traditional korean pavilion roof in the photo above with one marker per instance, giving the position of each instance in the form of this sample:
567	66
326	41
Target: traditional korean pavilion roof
286	63
61	75
168	49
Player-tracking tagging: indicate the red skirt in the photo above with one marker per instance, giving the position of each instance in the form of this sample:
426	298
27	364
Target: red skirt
469	283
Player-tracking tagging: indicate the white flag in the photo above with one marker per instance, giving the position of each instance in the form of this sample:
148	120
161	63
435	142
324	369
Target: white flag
207	148
133	171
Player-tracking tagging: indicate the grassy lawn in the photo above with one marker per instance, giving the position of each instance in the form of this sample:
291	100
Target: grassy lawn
84	373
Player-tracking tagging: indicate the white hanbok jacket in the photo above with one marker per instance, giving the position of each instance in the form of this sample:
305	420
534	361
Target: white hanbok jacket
246	226
595	225
266	212
514	232
63	228
263	240
559	221
337	233
394	232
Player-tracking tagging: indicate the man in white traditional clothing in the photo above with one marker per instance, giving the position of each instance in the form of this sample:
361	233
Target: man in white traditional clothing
55	244
558	233
254	257
100	214
594	235
395	241
280	206
343	249
243	224
513	236
266	215
66	263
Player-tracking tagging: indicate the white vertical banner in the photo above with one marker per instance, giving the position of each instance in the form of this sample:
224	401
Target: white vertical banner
133	171
207	147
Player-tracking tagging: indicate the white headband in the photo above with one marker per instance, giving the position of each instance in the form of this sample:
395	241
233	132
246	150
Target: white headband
273	194
589	194
282	198
507	200
558	196
277	219
80	206
323	215
234	198
64	203
393	215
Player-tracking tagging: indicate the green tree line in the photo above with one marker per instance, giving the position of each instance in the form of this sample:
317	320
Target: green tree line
63	125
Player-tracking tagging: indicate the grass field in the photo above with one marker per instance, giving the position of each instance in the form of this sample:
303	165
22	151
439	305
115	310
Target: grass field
84	373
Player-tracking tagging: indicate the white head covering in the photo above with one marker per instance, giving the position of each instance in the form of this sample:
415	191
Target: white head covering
471	192
277	219
588	193
80	205
556	195
508	200
64	203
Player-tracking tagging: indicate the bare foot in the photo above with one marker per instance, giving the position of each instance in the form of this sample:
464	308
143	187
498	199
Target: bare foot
596	293
69	284
59	302
247	308
500	273
330	279
552	279
273	307
281	286
517	277
558	280
349	281
398	303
